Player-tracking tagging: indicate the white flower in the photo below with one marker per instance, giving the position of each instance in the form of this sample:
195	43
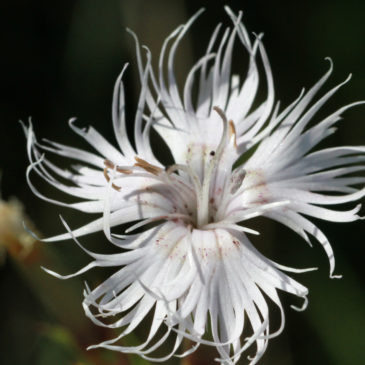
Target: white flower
195	264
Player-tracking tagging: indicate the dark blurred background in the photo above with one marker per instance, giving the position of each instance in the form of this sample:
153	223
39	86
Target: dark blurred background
60	59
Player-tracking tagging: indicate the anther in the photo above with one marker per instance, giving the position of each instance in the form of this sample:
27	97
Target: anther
123	171
212	153
155	170
221	113
116	187
107	178
232	132
110	164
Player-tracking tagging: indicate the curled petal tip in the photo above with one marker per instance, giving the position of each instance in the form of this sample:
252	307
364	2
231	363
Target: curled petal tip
335	276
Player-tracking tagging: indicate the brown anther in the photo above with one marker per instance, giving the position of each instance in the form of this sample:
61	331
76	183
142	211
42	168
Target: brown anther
105	172
116	187
107	178
221	113
111	165
123	171
232	132
155	170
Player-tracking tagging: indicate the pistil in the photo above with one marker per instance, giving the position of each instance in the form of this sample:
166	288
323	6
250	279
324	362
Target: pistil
203	213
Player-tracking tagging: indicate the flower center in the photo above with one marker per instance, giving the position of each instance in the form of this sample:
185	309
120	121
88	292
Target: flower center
216	183
198	201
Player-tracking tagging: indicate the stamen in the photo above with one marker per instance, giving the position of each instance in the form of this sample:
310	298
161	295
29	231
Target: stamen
203	203
111	165
107	178
232	132
123	171
155	170
221	113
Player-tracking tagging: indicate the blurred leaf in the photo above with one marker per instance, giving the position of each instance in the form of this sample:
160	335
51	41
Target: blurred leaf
61	299
339	319
58	347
